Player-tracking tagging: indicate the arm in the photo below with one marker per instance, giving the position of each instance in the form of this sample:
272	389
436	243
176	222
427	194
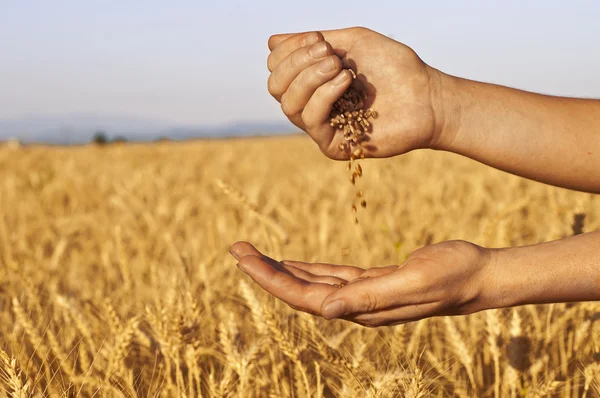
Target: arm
554	140
565	270
448	278
549	139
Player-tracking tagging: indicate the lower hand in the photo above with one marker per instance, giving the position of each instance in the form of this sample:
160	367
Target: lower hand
443	279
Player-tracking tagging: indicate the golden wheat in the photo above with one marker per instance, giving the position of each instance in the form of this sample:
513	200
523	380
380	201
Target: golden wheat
115	277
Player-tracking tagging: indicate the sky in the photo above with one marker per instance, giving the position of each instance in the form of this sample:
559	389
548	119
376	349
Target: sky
204	62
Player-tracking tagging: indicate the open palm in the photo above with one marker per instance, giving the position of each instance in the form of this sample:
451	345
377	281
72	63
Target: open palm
441	279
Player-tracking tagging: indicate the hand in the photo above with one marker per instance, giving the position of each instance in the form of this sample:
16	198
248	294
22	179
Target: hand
447	278
307	78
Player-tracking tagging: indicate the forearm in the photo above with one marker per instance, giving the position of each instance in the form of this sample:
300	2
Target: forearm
554	140
565	270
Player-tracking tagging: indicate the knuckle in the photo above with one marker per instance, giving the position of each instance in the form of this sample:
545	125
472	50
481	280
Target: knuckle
270	63
271	42
421	278
307	119
286	107
359	29
337	62
459	248
272	85
368	300
320	36
457	245
295	60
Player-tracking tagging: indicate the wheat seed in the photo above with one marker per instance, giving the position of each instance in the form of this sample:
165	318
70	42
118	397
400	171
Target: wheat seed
350	119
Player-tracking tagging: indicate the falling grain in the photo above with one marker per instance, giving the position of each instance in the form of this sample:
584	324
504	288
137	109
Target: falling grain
350	119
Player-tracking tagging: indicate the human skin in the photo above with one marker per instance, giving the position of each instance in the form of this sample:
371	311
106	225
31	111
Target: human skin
549	139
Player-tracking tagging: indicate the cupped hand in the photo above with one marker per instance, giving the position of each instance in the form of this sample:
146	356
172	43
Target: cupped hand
308	75
443	279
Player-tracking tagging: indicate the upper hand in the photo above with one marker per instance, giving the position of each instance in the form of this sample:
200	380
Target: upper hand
308	75
442	279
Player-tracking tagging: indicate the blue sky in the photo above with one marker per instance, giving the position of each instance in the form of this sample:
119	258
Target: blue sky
204	62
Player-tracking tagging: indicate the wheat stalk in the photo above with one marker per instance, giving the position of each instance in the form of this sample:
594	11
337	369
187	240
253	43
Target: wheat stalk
460	349
14	379
238	198
93	239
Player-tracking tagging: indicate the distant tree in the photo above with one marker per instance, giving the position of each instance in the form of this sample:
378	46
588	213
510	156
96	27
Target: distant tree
163	139
100	138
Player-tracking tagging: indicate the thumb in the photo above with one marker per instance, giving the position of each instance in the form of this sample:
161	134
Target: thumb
390	288
337	37
362	296
276	40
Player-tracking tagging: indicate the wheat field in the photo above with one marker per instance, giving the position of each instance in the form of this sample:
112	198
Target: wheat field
116	281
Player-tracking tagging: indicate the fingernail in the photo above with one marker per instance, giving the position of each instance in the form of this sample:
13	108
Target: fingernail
334	309
341	78
318	50
240	266
234	254
310	38
327	65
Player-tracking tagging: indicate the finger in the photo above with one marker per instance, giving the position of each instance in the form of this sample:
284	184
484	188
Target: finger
338	37
309	277
346	272
397	315
303	87
376	271
315	115
394	289
241	249
293	65
277	39
299	294
291	44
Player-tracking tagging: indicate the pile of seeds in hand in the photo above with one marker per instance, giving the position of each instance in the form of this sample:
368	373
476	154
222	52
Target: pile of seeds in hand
351	120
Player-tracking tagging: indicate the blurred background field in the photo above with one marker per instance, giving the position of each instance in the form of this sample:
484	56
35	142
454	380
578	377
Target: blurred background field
115	277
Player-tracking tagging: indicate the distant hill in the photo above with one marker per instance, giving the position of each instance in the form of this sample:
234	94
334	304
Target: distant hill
80	128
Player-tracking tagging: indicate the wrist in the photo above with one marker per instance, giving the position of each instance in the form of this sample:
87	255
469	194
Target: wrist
515	277
496	289
445	101
501	288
